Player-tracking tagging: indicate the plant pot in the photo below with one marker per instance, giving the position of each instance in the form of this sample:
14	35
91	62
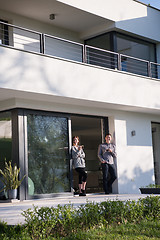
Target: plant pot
12	194
150	190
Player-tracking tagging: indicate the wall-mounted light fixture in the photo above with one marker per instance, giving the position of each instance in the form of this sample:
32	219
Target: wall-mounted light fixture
133	133
52	16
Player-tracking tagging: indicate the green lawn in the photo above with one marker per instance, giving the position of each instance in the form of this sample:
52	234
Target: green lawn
130	231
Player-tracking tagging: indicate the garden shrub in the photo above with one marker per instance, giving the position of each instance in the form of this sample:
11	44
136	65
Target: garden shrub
64	221
151	207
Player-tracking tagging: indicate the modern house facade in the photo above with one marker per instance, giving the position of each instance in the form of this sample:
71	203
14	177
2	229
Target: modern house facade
83	68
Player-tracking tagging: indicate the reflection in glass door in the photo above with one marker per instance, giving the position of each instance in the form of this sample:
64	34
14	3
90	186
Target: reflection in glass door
48	160
5	138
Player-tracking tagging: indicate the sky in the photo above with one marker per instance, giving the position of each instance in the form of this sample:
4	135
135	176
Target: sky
154	3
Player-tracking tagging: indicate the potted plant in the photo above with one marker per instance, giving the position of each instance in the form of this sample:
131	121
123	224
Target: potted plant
10	179
150	189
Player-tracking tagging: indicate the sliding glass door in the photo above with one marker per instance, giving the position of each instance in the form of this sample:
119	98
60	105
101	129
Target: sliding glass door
48	155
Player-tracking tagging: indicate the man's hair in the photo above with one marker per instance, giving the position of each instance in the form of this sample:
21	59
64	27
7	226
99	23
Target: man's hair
109	134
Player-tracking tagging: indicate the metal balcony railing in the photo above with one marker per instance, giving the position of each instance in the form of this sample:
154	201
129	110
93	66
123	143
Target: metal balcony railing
155	70
134	65
32	41
101	57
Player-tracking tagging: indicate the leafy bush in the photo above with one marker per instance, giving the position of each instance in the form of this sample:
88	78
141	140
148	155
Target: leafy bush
13	232
60	221
151	207
69	222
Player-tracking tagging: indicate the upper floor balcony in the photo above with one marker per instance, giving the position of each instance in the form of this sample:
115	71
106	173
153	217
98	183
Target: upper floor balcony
32	41
32	62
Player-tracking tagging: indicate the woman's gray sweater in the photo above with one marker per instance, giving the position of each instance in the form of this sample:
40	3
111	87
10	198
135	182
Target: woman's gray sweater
78	157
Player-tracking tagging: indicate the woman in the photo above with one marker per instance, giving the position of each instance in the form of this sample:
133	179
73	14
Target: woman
78	156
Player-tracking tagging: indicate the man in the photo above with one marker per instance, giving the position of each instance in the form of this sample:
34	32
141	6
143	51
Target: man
106	153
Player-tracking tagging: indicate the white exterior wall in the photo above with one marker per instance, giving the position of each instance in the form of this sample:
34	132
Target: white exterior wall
41	74
135	162
145	25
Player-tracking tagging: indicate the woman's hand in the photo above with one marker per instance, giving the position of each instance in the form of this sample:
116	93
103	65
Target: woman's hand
103	161
80	147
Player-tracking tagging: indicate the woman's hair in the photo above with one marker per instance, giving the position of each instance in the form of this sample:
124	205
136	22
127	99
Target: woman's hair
74	138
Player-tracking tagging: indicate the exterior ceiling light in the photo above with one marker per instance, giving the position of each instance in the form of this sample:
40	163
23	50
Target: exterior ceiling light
52	16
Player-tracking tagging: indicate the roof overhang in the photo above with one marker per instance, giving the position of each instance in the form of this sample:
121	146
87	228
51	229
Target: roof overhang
10	99
66	16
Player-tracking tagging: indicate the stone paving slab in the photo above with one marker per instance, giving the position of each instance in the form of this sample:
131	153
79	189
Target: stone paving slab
10	212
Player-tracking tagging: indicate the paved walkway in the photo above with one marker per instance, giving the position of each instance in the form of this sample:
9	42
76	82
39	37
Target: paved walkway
10	212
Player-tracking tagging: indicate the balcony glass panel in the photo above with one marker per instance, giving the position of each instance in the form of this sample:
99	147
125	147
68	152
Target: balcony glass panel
63	49
26	40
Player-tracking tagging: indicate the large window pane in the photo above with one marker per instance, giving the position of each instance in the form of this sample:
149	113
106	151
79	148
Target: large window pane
5	138
135	47
5	143
99	57
48	163
131	50
102	41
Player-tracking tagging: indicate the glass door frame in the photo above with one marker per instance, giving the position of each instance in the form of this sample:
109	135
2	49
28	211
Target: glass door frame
53	114
156	153
20	156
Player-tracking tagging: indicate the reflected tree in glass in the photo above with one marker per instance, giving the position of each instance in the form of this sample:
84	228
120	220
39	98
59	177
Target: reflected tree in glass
5	138
48	160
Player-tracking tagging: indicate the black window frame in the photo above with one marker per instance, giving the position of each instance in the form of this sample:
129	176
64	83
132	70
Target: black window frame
5	35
